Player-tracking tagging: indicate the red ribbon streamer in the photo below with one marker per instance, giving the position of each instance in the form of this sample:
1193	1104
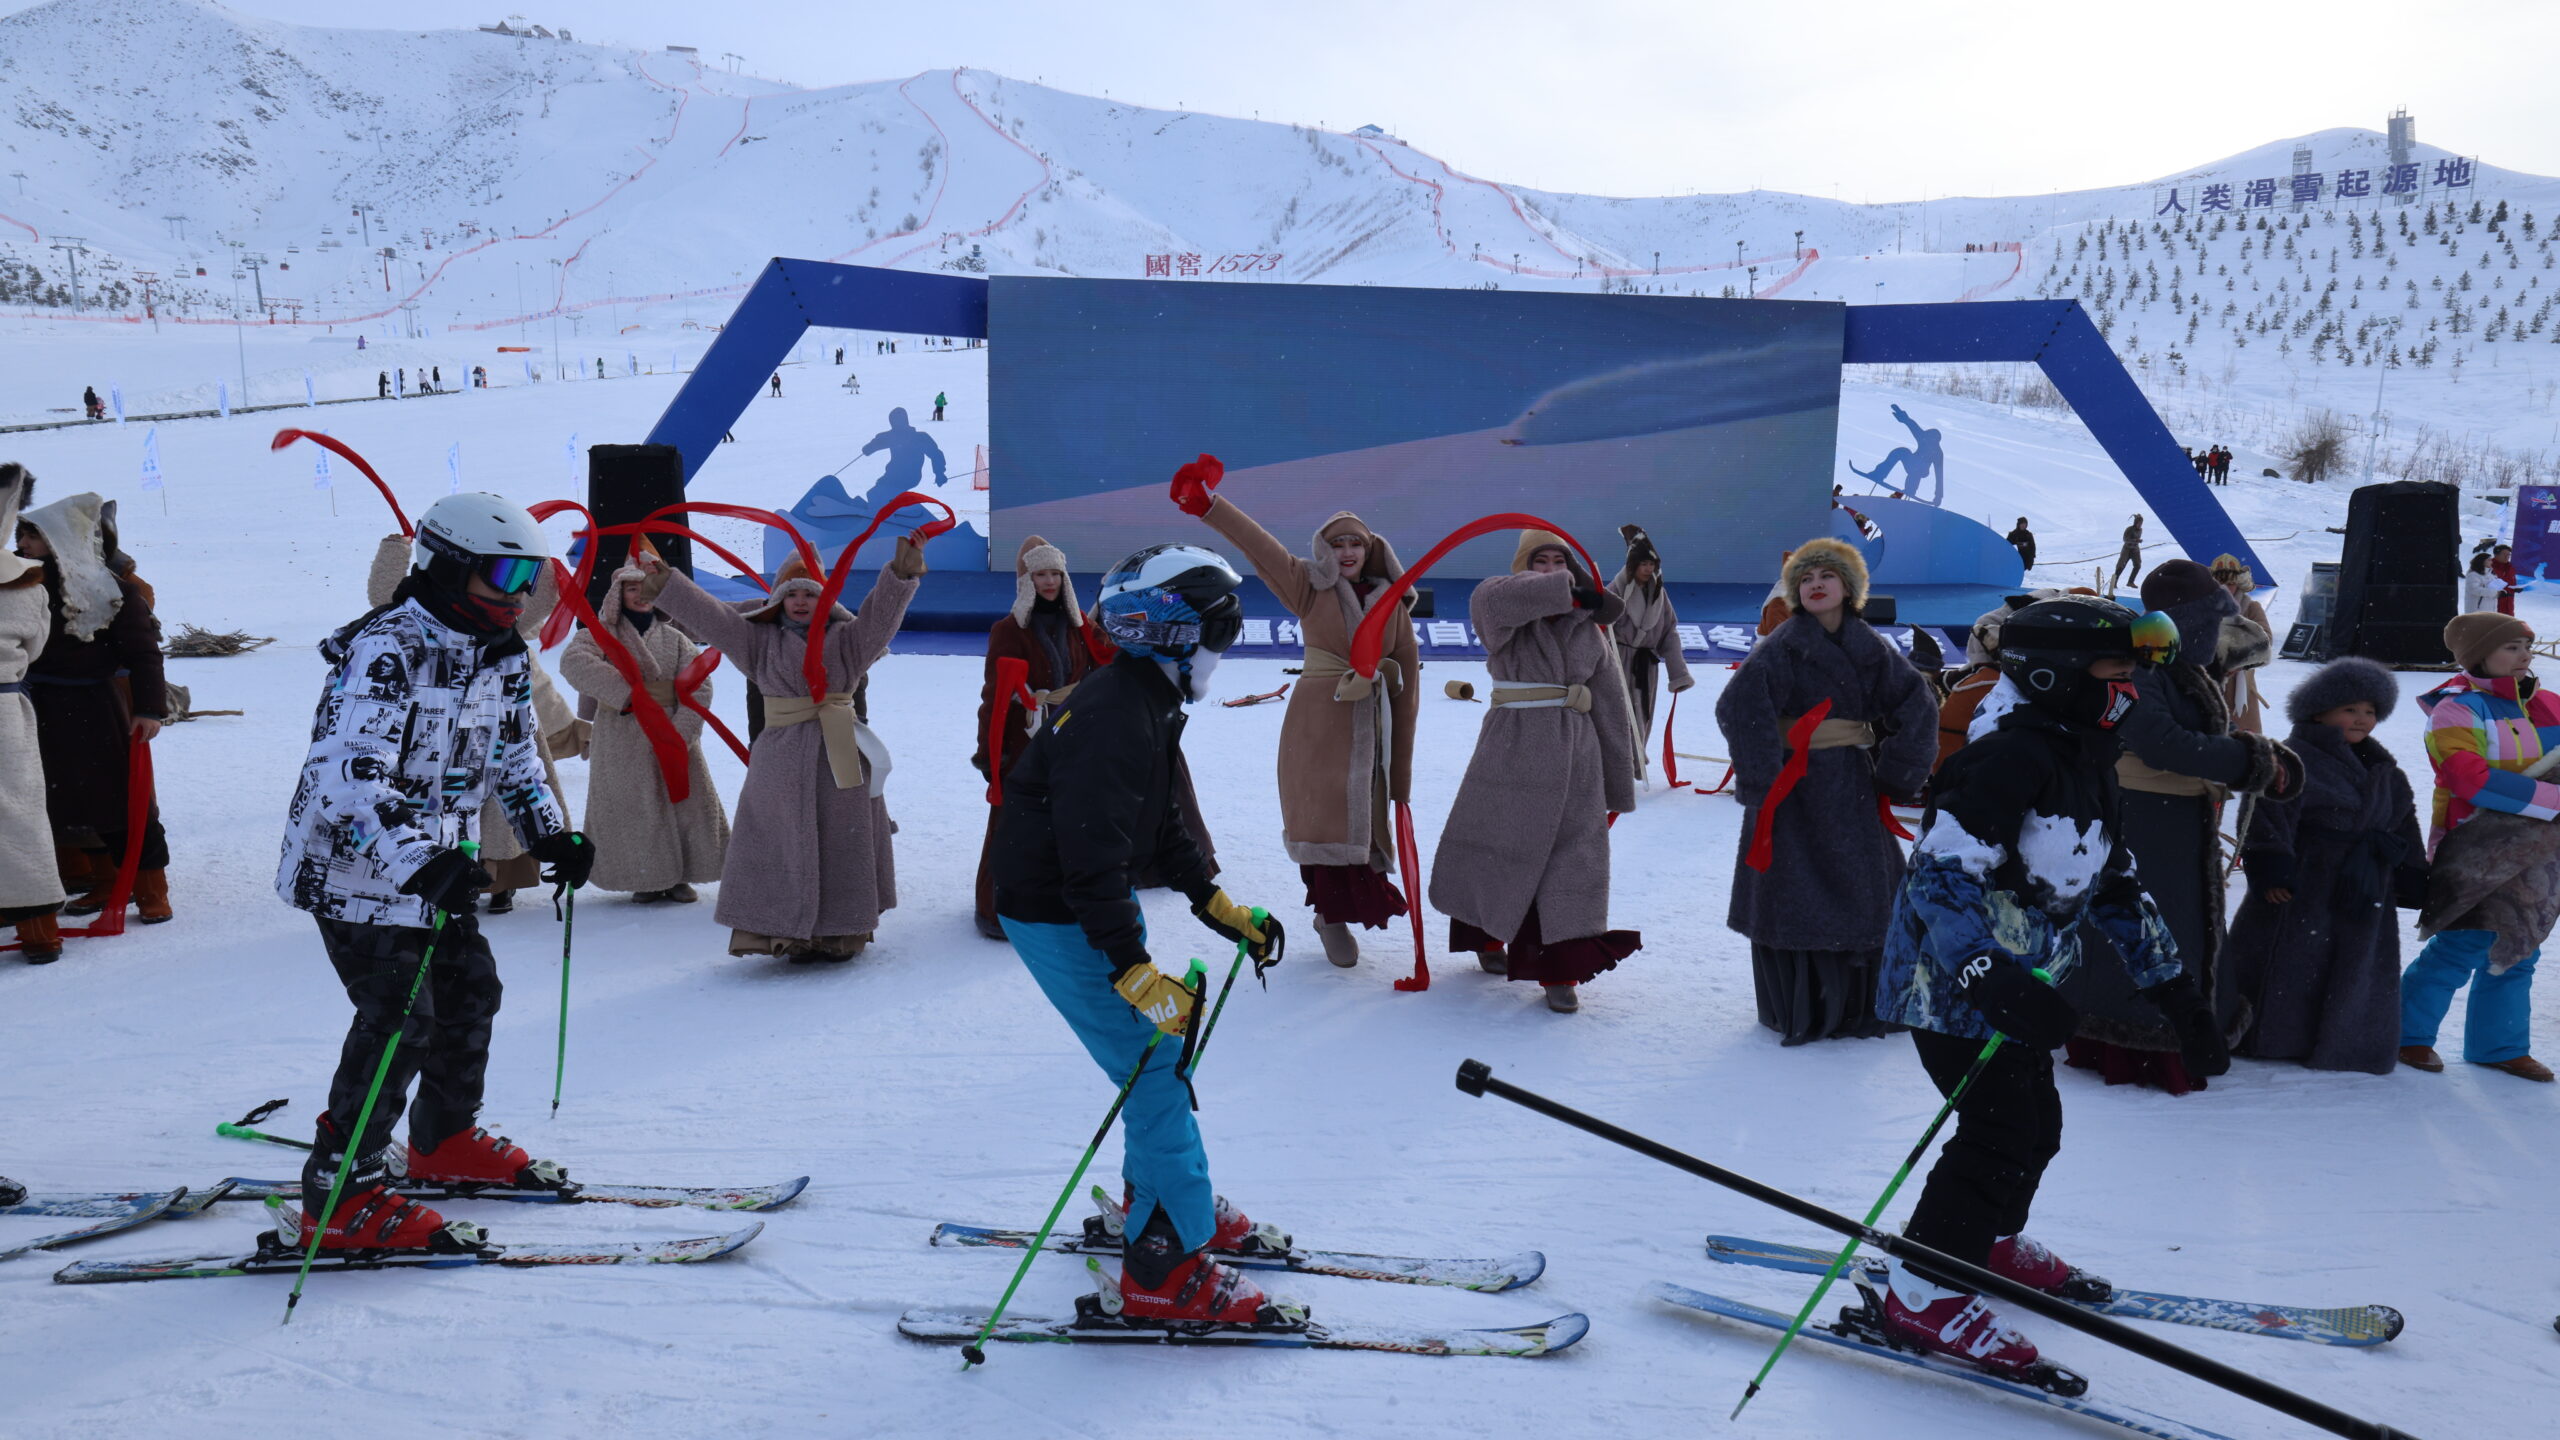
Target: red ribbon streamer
288	436
137	816
1671	765
1884	812
814	667
689	682
1409	860
1799	754
664	742
1368	642
1012	687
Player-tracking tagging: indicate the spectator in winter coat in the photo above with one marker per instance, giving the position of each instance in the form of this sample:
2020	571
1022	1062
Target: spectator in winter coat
810	868
1522	869
2502	564
1815	903
1346	744
2240	682
1648	634
1047	633
382	385
98	691
2316	947
2495	887
2181	761
2481	590
2025	540
91	405
30	878
654	847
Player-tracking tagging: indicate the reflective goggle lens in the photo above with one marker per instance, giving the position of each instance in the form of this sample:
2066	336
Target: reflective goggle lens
510	574
2155	639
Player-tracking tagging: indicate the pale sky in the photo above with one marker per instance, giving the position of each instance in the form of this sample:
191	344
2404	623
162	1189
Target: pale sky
1865	99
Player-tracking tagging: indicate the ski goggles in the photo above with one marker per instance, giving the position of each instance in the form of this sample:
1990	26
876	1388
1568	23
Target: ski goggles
509	574
2155	639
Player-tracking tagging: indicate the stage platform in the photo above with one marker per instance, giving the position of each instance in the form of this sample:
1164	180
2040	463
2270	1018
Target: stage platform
1718	622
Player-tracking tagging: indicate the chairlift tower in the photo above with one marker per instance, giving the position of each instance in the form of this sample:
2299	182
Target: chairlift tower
2403	137
2301	166
72	248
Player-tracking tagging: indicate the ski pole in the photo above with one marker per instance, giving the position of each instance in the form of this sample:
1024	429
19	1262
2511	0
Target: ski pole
364	1116
972	1354
239	1129
1875	1211
1276	945
1476	1078
560	1059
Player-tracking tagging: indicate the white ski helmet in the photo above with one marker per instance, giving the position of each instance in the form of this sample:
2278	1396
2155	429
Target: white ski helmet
459	533
1171	601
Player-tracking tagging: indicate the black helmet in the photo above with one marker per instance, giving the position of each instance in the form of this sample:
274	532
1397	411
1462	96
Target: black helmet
2046	650
1170	601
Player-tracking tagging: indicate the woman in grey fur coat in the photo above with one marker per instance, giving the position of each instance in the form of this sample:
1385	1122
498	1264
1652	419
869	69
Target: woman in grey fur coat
2316	947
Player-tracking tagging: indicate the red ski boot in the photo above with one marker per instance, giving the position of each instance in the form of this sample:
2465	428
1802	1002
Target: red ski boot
2025	1260
477	1158
373	1218
1238	1235
1161	1283
1917	1315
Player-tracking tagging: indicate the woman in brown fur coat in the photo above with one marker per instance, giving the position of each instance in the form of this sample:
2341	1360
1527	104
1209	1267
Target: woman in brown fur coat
1522	870
1046	631
1346	744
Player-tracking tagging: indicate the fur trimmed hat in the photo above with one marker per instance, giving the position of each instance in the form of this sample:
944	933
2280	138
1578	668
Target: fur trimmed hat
1381	563
792	577
1640	547
2343	682
2472	637
1039	554
1837	556
81	530
1533	541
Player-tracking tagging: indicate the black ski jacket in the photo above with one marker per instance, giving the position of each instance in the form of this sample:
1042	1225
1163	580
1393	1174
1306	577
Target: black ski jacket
1093	803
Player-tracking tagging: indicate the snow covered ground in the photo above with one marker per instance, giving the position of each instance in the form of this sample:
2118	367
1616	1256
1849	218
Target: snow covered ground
928	1081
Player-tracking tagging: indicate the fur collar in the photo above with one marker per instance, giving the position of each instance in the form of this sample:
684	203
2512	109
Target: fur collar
81	531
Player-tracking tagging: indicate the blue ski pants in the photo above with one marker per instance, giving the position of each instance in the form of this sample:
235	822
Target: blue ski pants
2498	1022
1161	1156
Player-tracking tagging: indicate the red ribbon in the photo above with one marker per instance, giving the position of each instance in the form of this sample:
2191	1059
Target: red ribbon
664	742
137	816
690	681
814	667
288	436
1884	813
1367	643
1012	687
1409	860
1799	754
1670	764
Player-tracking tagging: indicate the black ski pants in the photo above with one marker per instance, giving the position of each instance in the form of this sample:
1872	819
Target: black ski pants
444	1047
2008	1127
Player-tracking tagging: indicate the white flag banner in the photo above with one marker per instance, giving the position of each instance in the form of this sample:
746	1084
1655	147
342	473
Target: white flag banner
570	451
222	397
310	392
528	370
453	468
630	363
115	401
320	470
151	458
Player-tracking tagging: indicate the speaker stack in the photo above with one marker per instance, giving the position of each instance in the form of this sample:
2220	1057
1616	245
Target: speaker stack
2400	578
625	483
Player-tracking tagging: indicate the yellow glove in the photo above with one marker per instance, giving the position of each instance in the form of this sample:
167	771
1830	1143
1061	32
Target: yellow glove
1159	997
1234	921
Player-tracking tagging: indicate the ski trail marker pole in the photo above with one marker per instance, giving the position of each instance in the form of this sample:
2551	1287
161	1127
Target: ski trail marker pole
364	1117
973	1353
560	1059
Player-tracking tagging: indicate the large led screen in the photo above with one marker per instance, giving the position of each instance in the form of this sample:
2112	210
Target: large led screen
1709	422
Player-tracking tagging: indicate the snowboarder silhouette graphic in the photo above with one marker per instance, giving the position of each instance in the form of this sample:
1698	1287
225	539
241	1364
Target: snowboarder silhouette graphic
1924	456
909	449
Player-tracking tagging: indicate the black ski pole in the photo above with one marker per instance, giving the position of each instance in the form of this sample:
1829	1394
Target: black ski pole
1476	1078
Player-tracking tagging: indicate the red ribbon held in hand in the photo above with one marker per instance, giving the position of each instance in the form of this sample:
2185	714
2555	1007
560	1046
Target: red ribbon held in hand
1409	860
1012	687
1368	642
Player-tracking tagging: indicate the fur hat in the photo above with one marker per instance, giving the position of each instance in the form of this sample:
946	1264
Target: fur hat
17	487
792	578
1826	553
1381	563
2173	583
2227	570
2343	682
2472	637
1039	554
1639	546
1533	541
81	531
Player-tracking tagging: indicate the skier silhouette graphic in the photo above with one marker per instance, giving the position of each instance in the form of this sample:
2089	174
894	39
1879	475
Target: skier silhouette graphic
1924	456
909	449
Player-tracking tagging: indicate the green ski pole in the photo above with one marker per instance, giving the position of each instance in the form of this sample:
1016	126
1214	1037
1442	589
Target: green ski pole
1197	982
364	1117
1278	945
560	1059
1841	1261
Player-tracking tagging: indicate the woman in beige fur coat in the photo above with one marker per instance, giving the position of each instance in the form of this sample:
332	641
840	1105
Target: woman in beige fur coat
656	849
1346	744
1522	870
30	883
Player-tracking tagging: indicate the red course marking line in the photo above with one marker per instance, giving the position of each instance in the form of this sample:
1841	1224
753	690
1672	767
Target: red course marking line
1792	276
1025	197
1438	194
23	225
2018	263
745	112
930	210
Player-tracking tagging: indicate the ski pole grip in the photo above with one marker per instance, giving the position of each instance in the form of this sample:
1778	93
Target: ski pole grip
1472	1075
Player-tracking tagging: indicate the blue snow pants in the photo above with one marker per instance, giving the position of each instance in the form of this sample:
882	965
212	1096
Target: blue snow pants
1161	1157
2498	1023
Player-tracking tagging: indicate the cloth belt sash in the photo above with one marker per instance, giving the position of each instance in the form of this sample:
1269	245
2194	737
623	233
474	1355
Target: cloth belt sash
2132	774
850	743
65	680
1831	734
1576	698
13	687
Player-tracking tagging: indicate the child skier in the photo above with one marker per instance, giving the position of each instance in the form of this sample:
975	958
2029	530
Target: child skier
1092	802
2019	845
428	710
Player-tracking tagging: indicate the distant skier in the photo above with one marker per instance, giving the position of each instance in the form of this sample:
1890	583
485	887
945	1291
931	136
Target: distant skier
777	384
839	354
1924	456
599	367
91	405
909	448
382	385
2025	540
939	400
852	382
435	378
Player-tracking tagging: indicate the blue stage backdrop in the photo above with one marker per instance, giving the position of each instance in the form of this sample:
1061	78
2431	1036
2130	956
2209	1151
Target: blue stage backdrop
1711	422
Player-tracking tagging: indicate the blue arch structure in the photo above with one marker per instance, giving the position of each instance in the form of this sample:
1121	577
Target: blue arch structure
792	297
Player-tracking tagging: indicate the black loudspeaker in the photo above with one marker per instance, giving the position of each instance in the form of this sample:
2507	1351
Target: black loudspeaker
625	483
2400	577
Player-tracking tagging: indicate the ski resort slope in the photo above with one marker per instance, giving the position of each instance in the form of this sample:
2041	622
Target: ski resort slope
928	1081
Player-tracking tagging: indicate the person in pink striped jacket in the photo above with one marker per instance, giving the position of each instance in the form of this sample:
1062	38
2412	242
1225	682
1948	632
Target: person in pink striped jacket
2486	729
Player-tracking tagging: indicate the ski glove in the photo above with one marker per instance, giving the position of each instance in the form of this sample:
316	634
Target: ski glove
1159	997
447	881
2200	1042
1193	482
2016	1003
1236	922
571	856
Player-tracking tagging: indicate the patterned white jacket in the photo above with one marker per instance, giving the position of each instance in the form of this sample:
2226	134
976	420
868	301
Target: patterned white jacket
416	728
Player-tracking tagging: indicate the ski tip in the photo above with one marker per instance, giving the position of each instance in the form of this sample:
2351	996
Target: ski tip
1564	1331
785	1193
2392	1321
1522	1269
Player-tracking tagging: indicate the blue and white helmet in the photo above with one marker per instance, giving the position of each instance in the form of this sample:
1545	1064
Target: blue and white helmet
1171	601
